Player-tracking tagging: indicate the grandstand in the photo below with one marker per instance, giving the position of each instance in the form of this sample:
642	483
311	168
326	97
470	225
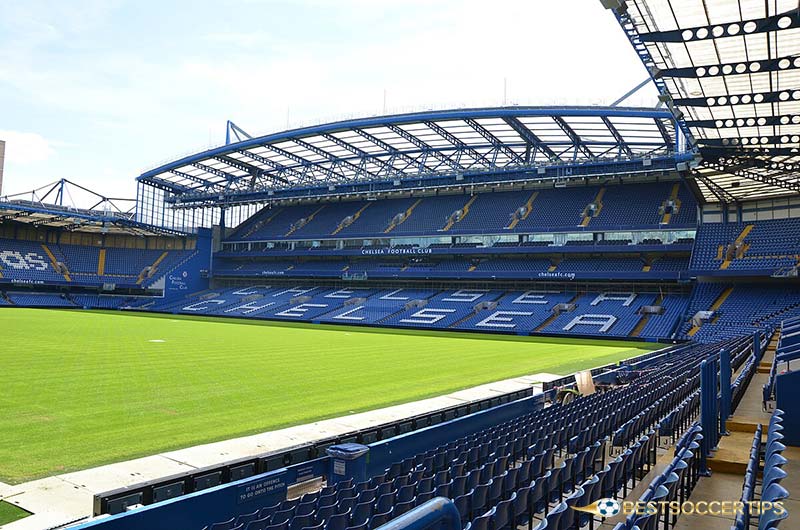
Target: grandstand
670	234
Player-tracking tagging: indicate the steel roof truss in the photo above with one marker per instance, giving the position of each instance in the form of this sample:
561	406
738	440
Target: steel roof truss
426	149
483	131
574	137
530	137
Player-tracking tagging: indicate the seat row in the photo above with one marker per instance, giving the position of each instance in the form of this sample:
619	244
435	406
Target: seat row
765	459
675	483
515	471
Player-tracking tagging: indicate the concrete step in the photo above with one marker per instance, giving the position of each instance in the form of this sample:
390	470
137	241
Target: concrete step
741	425
733	453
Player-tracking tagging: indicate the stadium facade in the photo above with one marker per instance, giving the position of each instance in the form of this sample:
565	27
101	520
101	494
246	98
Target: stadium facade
678	223
525	220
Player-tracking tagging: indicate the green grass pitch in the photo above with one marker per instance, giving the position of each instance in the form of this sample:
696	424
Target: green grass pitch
10	513
81	389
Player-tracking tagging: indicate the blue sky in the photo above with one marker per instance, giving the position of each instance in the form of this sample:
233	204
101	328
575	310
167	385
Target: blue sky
98	91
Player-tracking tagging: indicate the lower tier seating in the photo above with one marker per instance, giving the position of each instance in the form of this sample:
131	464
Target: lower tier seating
528	471
740	308
518	312
769	245
767	462
39	300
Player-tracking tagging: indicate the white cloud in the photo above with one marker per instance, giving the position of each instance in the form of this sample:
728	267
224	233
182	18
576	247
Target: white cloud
278	63
26	147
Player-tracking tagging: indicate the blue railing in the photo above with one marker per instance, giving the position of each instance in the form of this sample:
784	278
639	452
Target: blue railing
436	514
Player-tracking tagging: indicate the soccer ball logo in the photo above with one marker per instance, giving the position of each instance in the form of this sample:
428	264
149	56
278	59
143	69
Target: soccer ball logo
608	507
602	507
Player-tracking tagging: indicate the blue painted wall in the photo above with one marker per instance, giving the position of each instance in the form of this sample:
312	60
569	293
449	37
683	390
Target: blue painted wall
193	275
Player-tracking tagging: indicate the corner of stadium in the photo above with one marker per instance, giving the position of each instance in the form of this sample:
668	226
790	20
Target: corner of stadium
496	318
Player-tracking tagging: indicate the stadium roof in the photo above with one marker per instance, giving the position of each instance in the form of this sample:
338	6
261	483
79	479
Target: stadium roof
392	148
731	70
68	206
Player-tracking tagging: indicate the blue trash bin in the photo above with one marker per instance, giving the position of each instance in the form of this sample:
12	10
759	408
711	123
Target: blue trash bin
348	461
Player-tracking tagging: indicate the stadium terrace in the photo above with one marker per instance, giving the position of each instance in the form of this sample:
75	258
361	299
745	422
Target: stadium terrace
467	319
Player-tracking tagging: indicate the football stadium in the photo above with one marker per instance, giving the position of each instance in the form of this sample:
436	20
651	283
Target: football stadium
514	317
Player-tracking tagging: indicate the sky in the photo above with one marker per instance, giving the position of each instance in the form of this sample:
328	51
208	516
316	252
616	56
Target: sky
98	91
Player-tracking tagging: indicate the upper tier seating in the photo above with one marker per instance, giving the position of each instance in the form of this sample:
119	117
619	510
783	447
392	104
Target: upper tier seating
274	223
490	211
616	207
430	215
377	217
27	262
30	262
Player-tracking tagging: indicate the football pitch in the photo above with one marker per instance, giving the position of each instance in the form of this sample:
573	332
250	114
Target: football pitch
81	389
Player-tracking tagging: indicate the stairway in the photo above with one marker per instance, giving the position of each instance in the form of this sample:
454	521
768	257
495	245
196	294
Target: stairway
54	263
101	262
721	298
765	366
257	225
464	212
152	269
673	196
528	209
406	215
554	316
645	319
733	451
351	219
725	264
716	305
460	320
598	200
308	219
